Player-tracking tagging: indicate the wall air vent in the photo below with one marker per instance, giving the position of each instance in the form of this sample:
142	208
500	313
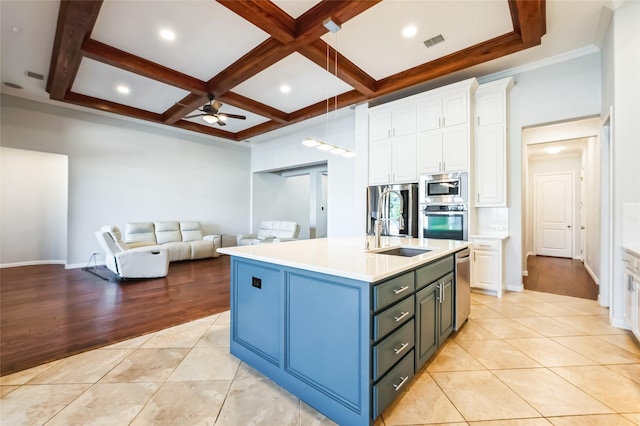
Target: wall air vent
434	40
34	75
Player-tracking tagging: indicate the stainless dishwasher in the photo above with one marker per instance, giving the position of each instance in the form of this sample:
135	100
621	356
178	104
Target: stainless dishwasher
463	287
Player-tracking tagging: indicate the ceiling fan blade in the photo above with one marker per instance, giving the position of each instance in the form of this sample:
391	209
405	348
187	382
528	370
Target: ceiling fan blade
221	123
215	106
238	117
194	115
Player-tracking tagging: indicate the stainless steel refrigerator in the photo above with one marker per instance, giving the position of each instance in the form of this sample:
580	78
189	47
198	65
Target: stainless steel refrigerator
398	210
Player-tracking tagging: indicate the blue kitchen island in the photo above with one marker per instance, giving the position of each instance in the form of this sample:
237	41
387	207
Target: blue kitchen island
342	327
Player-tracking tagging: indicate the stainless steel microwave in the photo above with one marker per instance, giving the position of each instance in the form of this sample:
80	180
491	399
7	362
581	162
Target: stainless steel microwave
444	188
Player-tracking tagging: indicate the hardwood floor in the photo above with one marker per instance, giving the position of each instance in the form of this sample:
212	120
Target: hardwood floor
559	275
48	312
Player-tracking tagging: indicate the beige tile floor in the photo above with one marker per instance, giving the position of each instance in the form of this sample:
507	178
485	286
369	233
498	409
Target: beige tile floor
528	359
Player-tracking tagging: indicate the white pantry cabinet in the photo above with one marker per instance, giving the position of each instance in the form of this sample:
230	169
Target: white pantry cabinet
490	150
392	144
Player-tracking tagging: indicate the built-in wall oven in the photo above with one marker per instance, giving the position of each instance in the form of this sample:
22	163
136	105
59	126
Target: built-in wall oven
444	222
444	206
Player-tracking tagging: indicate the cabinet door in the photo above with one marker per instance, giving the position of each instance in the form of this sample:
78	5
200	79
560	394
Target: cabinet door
379	126
404	159
636	322
426	323
490	166
403	120
629	298
379	162
455	148
430	152
446	314
454	109
490	108
484	270
429	113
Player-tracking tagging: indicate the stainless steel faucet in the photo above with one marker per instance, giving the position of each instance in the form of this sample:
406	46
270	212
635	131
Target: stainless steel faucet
379	219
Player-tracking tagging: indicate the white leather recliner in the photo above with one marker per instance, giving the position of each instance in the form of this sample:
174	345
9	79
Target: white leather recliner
271	231
140	262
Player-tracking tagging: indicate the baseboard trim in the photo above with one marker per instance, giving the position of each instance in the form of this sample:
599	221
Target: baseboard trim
519	288
595	279
619	324
32	263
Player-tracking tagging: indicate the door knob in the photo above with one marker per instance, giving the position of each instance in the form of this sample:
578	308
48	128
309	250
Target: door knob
568	226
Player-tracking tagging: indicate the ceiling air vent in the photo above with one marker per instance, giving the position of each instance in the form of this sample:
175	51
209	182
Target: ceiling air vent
434	40
35	75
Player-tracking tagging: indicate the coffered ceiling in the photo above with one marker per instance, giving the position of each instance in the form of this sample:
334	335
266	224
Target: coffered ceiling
244	52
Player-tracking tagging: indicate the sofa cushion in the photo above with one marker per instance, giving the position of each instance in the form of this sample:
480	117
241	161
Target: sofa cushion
178	250
167	232
191	231
136	232
202	249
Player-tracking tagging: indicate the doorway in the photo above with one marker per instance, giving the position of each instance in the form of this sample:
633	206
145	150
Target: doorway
561	205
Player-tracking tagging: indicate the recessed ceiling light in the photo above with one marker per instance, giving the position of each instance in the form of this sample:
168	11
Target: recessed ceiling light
285	88
167	35
15	29
553	150
409	31
123	89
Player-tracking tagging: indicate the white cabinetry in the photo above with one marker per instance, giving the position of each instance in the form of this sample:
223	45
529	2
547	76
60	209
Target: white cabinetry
486	265
392	144
632	292
490	148
444	131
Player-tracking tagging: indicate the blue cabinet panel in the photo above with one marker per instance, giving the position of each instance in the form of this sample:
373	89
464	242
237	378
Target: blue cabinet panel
257	325
325	336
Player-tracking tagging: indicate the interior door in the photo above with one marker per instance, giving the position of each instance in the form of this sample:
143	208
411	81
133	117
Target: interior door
553	223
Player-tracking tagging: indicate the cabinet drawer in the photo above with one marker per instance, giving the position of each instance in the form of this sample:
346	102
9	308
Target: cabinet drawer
392	349
430	273
392	318
391	385
493	245
390	291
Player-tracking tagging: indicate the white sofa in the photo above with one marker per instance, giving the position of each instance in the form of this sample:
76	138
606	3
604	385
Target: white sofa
182	240
271	231
141	262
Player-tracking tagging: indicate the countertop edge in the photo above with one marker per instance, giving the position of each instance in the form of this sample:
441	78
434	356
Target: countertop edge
633	248
490	236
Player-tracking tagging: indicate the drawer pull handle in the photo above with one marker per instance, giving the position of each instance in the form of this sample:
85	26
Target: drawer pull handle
484	245
399	385
401	348
402	315
400	290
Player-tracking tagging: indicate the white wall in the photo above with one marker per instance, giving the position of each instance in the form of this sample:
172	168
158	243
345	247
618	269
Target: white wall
558	92
277	197
593	210
622	92
345	188
121	171
33	207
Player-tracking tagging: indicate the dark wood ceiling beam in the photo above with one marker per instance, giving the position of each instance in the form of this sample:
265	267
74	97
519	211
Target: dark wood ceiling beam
529	19
120	59
255	107
263	56
347	70
266	16
113	107
309	26
207	130
185	106
76	20
474	55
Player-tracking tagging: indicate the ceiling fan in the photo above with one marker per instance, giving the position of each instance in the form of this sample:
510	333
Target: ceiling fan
211	115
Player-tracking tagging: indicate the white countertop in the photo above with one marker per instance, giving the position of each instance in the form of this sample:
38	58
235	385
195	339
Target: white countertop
633	248
491	236
347	257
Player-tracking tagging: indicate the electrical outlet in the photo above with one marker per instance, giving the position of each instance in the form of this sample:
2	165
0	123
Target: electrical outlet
256	282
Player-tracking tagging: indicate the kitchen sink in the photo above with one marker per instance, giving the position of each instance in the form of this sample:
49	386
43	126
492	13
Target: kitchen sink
405	251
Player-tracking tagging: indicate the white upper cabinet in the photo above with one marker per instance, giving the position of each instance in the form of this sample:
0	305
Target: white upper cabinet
443	110
490	169
392	144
